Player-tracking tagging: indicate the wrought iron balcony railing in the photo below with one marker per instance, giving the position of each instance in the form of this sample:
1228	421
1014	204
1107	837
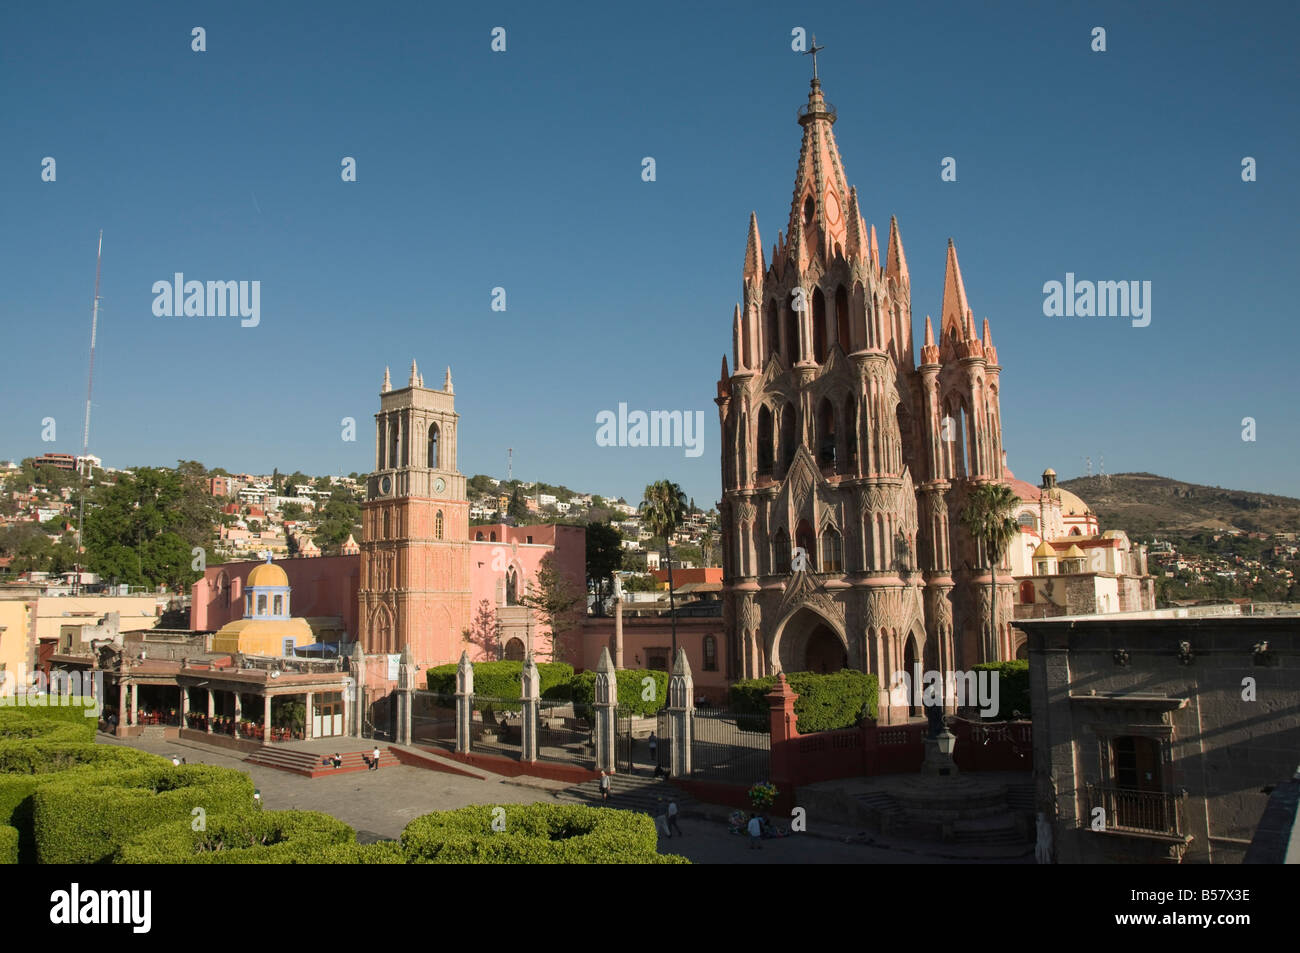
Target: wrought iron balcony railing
1153	812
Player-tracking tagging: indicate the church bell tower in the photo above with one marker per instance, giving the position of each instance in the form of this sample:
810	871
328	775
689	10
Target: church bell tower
415	582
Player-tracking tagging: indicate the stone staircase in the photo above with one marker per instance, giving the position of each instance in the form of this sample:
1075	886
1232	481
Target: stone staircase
632	793
309	763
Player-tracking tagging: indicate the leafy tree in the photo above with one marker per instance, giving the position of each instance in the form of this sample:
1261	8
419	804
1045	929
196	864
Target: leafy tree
989	516
141	529
663	510
292	511
518	509
556	600
339	518
604	556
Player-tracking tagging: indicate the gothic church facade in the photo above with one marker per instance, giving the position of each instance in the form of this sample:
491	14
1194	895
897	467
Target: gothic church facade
845	463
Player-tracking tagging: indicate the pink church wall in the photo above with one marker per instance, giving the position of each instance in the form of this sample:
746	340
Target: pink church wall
642	634
321	586
490	558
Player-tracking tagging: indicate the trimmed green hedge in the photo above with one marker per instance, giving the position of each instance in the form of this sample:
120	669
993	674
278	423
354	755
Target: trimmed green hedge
1013	687
25	767
8	844
48	723
83	815
502	679
265	837
380	852
533	834
826	702
630	689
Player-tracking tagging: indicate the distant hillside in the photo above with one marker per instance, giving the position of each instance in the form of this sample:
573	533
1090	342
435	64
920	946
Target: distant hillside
1143	503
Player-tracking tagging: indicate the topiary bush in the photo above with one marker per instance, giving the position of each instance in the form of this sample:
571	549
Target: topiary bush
25	767
8	844
81	816
631	689
46	722
503	679
263	837
533	834
380	852
1013	687
825	703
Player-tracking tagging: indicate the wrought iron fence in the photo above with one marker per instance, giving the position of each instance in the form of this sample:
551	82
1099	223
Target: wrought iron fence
565	732
730	747
640	742
1128	810
433	719
495	726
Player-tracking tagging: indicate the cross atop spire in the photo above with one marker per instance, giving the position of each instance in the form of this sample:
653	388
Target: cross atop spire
813	51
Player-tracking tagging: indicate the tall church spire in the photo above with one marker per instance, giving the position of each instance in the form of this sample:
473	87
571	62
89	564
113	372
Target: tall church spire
754	266
955	308
821	192
446	384
415	374
896	266
388	383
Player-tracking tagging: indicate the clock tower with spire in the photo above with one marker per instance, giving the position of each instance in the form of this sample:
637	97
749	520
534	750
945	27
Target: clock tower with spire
415	566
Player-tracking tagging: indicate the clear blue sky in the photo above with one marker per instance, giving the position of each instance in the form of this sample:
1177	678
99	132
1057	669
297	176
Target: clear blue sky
523	170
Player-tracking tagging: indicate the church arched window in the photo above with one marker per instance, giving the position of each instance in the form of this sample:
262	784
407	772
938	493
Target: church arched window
772	337
781	552
819	326
278	605
832	551
437	526
851	431
826	434
789	435
842	334
764	441
434	460
387	525
793	351
806	541
512	588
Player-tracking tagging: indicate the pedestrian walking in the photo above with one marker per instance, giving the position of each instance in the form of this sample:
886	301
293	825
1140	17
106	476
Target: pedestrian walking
654	750
604	786
672	819
755	832
661	820
374	759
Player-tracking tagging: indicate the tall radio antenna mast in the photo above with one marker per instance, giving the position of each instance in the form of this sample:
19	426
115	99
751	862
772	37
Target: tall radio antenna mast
85	433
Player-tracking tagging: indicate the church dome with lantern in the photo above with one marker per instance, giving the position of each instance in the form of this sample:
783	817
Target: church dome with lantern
267	628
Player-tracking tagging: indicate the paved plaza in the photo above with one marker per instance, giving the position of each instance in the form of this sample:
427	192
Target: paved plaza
379	804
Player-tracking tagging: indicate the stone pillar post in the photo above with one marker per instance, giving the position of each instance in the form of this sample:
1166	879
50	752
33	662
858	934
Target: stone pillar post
606	700
464	702
530	693
135	704
357	668
784	756
211	711
307	716
405	696
121	704
184	706
266	719
618	622
681	717
239	711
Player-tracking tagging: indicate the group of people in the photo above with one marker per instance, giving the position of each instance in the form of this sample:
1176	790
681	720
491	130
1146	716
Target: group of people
372	763
665	819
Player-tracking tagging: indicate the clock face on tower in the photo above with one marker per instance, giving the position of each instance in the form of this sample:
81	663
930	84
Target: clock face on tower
386	485
439	485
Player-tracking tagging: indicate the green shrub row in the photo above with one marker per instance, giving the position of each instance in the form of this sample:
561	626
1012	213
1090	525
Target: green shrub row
826	702
263	837
8	844
82	816
503	679
48	723
631	689
1013	687
533	834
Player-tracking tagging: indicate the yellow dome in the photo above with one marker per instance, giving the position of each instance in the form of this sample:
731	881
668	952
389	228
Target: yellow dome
267	574
1072	505
1074	552
261	636
1044	549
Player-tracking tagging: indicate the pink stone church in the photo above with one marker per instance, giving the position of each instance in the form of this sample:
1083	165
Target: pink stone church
424	577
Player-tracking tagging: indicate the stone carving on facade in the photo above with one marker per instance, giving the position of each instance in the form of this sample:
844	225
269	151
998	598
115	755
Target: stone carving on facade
751	614
745	512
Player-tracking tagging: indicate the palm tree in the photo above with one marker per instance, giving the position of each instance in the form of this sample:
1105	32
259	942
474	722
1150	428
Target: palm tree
663	510
989	517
